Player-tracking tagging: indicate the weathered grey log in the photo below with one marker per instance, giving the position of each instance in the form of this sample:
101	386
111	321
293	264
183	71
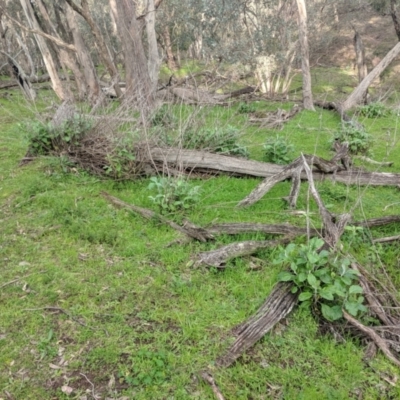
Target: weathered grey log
218	258
249	227
194	160
276	307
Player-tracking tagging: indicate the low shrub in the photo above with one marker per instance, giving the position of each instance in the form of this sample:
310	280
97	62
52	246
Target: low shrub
277	150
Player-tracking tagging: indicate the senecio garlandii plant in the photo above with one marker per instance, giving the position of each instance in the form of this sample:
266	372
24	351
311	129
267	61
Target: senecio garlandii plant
173	194
321	279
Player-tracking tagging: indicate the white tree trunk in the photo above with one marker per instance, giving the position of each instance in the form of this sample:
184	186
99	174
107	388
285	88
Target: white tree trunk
305	63
153	59
58	88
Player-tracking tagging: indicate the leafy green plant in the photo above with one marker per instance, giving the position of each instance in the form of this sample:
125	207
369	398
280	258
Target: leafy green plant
39	136
277	150
148	368
218	140
45	137
246	108
374	110
358	139
321	278
173	194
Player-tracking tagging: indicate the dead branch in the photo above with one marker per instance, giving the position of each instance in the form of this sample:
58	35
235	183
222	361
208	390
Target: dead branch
191	231
208	378
374	162
381	343
217	258
334	226
276	307
274	119
387	239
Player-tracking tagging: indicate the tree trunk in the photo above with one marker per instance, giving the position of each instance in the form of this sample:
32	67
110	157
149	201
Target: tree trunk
395	17
103	50
153	59
171	60
360	60
67	59
58	88
305	63
358	93
83	57
139	87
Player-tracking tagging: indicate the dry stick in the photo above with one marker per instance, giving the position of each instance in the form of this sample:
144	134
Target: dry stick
192	231
210	380
269	182
333	230
18	279
386	239
374	336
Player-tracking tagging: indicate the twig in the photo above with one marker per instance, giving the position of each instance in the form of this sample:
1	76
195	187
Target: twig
18	279
381	343
208	378
93	393
386	239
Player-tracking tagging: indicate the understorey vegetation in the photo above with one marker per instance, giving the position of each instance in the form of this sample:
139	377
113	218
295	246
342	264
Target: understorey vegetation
129	268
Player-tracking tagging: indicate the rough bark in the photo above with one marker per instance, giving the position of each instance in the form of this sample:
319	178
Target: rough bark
357	95
305	62
276	307
139	88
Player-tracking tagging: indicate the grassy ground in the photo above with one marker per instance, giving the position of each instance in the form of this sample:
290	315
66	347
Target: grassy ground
94	301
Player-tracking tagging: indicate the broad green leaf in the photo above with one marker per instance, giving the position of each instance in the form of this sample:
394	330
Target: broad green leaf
312	280
305	296
294	289
331	313
352	307
355	289
285	276
326	293
302	277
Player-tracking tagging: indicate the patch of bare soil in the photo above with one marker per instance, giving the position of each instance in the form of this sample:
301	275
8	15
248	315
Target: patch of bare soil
377	33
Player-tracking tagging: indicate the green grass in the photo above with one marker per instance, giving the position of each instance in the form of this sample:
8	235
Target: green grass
139	321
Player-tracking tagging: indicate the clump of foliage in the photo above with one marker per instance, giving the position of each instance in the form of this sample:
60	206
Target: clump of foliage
121	161
358	139
45	137
246	108
321	279
163	117
147	369
277	150
173	194
374	110
224	140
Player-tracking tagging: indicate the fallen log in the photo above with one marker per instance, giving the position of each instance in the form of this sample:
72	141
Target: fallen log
276	307
202	161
